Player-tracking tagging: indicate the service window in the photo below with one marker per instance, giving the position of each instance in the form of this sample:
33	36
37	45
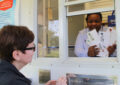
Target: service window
70	19
83	40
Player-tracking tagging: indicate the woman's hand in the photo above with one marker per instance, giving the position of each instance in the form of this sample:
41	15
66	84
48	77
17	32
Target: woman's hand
51	82
60	81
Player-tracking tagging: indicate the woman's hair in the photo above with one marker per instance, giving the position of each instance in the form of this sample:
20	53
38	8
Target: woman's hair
92	14
14	38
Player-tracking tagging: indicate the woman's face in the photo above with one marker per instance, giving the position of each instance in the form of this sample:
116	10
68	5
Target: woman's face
94	22
27	56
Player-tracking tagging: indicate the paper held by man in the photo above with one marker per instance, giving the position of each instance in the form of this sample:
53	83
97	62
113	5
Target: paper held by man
102	40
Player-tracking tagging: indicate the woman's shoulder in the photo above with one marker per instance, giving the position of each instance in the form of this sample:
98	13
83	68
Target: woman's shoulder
13	79
9	75
18	81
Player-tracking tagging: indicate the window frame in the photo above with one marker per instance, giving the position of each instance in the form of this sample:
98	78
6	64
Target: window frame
97	60
63	31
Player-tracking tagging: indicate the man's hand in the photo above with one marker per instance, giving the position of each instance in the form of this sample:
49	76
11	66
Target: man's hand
93	51
111	49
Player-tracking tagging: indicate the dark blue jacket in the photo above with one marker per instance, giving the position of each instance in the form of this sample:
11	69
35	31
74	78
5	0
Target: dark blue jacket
9	75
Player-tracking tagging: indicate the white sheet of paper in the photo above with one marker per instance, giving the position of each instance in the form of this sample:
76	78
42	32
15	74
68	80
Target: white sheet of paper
93	38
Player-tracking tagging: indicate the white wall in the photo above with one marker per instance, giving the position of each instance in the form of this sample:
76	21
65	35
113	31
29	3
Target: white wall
26	13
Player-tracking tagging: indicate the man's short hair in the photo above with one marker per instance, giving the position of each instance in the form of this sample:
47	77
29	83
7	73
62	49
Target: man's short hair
14	38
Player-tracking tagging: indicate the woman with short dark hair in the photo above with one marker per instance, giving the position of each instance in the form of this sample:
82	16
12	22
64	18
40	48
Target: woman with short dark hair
16	50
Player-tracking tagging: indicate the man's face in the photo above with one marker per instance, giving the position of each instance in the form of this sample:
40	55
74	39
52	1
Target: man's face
94	22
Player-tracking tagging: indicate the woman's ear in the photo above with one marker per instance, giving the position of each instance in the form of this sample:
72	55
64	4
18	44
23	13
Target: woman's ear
16	55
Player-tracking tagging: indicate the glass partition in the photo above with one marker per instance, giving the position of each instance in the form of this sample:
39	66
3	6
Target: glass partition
48	36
